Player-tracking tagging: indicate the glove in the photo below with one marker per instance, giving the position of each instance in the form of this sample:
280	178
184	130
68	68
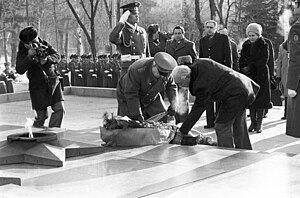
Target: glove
292	93
178	137
137	117
124	16
171	111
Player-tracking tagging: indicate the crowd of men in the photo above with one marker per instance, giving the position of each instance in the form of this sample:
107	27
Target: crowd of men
84	70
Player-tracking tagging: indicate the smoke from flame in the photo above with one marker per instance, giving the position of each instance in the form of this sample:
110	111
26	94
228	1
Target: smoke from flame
284	23
182	101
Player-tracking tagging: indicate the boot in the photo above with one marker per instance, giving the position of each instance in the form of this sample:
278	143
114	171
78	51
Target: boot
260	115
253	124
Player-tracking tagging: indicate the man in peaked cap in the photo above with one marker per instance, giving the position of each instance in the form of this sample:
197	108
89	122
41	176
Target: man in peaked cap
130	39
139	90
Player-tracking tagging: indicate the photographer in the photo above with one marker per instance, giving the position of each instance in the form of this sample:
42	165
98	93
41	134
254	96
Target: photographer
36	57
157	40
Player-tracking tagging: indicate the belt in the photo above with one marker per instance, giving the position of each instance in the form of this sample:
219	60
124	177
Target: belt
129	57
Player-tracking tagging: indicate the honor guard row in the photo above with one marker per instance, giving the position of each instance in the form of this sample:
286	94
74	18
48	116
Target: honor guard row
84	71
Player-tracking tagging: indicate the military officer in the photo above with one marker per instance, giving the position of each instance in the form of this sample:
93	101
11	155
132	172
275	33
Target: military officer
131	39
72	65
139	90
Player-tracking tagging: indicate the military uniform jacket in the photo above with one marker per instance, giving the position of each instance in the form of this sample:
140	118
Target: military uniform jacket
41	92
130	41
211	81
218	49
139	87
185	47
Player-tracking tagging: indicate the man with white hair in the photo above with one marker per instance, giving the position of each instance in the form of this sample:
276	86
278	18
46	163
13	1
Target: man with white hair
211	81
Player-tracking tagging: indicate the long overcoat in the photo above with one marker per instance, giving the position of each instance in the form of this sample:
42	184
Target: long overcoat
293	111
183	48
217	49
281	69
139	90
212	81
255	56
42	93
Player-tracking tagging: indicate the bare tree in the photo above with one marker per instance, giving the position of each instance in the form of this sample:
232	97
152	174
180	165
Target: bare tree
93	4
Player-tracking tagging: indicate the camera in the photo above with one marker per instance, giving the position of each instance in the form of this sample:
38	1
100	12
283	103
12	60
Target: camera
164	36
41	51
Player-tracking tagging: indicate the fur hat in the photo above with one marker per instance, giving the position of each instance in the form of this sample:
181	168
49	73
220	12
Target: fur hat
255	28
28	34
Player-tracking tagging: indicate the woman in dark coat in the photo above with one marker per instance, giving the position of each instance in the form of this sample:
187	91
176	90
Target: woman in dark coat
253	63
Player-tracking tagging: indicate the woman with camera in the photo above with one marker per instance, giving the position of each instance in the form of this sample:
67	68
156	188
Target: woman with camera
37	57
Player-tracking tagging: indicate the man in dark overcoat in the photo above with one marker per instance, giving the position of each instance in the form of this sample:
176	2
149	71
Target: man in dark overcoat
209	80
139	90
37	57
217	47
130	39
179	45
293	74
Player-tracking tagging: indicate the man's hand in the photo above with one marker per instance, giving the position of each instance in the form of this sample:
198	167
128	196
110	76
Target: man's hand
43	61
171	111
292	93
124	16
178	137
137	117
32	52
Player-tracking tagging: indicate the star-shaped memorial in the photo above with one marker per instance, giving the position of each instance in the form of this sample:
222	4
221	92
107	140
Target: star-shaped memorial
49	147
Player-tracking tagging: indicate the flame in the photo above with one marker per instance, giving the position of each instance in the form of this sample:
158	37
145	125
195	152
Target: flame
28	125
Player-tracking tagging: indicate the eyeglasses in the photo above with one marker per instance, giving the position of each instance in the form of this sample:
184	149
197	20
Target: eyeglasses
210	27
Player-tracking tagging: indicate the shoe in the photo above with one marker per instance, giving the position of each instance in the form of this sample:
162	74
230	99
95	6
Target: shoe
283	118
209	126
252	126
40	127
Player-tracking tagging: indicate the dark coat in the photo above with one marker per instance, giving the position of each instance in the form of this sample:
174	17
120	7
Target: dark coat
293	112
235	56
255	56
43	91
139	88
185	47
156	46
212	81
218	49
271	60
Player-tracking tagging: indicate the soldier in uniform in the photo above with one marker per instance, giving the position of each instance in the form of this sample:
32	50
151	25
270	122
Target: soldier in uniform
130	38
72	65
91	76
139	90
107	72
293	111
78	81
99	69
63	69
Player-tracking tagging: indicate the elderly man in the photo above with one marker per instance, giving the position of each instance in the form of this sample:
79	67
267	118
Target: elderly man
131	39
209	80
139	90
